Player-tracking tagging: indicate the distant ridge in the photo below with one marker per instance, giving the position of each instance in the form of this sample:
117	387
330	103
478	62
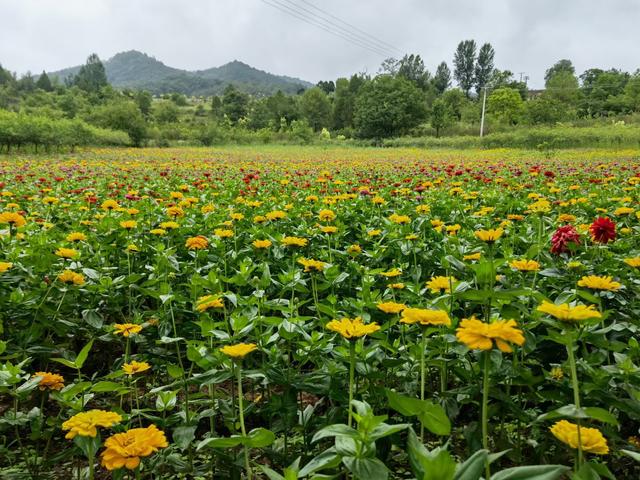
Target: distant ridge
138	70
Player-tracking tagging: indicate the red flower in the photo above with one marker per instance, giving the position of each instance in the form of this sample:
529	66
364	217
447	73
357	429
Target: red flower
603	230
563	236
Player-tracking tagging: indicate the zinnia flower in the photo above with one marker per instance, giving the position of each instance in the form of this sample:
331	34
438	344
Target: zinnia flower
4	266
425	316
206	302
239	350
563	236
127	329
312	265
66	253
223	232
490	235
440	284
135	367
326	215
51	381
568	313
85	423
596	282
76	237
197	243
12	218
478	335
633	262
349	328
261	244
603	230
294	242
525	265
591	439
391	307
126	449
128	224
69	276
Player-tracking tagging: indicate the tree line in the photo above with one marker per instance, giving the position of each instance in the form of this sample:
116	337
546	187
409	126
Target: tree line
402	98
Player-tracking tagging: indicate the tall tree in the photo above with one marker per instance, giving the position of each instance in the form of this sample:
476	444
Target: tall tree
327	86
440	116
464	62
234	104
390	66
92	75
412	68
44	82
316	108
484	66
442	78
560	66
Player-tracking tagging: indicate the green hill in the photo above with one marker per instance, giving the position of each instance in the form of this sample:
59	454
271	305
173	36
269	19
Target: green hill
138	70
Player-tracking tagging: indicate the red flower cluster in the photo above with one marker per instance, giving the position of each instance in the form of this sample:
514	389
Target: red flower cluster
562	237
603	230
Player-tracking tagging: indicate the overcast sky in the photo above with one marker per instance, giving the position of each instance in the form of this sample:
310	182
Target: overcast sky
528	36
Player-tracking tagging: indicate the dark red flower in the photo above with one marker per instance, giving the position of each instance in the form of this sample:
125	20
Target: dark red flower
562	237
603	230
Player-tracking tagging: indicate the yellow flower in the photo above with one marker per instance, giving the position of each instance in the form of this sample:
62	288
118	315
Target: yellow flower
158	231
623	211
374	233
110	205
85	423
294	242
4	266
327	215
328	229
391	307
425	316
525	265
223	233
633	262
51	381
69	276
394	272
76	237
66	253
568	313
566	218
440	284
591	439
400	219
472	256
515	217
276	215
197	243
128	224
453	229
261	244
354	249
541	206
423	209
125	449
206	302
556	373
127	329
596	282
239	350
175	212
312	265
239	216
349	328
259	219
132	248
490	235
396	286
169	225
478	335
135	367
12	218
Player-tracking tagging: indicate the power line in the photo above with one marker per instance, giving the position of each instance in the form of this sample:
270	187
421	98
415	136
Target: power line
312	21
375	39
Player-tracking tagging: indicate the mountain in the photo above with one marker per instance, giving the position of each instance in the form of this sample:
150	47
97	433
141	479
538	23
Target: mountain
138	70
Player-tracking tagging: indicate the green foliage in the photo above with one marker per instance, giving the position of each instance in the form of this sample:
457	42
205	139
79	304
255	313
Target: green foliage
92	76
442	78
234	104
506	105
122	115
388	106
464	61
316	108
484	66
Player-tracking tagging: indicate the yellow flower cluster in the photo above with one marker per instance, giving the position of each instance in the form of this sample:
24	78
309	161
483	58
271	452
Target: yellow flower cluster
352	328
478	335
239	350
569	313
126	449
425	316
85	423
591	439
206	302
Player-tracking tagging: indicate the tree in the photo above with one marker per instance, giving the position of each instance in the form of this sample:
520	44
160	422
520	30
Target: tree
442	78
316	108
143	100
216	107
234	104
545	110
412	68
603	92
632	92
563	87
455	100
506	105
440	117
165	111
558	67
484	66
504	78
464	64
92	75
389	66
44	83
326	86
6	78
388	106
122	115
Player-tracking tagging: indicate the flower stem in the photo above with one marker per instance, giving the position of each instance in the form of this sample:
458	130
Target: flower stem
576	398
422	349
485	411
352	369
241	414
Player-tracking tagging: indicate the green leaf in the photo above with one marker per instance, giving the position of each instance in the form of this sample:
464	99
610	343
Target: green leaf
183	436
333	430
327	459
429	465
634	455
473	467
432	416
174	371
273	475
570	411
222	442
601	414
29	385
65	362
102	387
84	353
533	472
259	437
366	468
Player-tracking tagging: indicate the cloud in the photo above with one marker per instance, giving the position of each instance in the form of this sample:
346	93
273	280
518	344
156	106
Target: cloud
527	36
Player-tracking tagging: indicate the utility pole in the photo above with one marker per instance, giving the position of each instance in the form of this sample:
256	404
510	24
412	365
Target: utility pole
484	103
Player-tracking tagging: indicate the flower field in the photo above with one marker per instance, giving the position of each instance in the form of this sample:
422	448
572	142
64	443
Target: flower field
284	313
